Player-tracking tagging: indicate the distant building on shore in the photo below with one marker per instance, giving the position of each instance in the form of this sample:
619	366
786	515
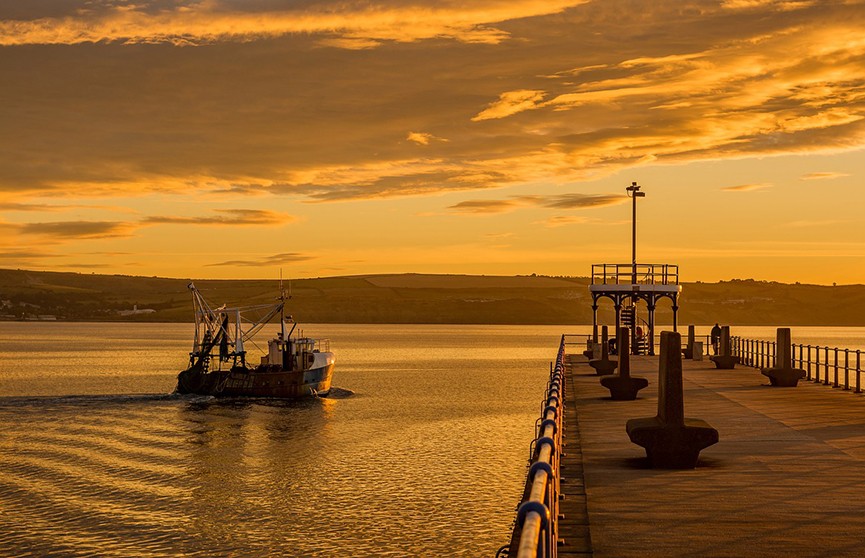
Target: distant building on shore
135	311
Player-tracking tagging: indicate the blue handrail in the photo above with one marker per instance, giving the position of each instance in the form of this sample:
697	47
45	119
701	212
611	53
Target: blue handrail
536	530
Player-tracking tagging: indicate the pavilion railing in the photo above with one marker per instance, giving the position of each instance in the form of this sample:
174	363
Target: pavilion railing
646	274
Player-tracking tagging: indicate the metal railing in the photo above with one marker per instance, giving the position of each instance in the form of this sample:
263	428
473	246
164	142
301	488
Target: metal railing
647	274
582	340
822	364
536	526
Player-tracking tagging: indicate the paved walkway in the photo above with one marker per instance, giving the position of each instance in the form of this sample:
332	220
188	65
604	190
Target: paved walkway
787	477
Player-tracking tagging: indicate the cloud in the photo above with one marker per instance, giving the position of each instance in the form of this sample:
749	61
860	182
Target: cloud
823	175
34	207
396	178
511	102
16	206
66	231
582	201
27	255
85	266
276	259
561	201
485	206
342	25
746	187
239	217
422	138
780	5
83	230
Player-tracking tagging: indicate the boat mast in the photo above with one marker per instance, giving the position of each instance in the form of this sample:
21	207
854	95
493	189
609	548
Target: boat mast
238	333
197	340
282	308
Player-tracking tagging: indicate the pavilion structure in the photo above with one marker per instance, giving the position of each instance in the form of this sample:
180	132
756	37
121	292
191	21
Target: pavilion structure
627	284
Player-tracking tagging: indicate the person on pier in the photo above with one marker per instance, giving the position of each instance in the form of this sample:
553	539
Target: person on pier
716	338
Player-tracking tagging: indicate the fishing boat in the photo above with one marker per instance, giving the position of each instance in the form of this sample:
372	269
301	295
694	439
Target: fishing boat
293	366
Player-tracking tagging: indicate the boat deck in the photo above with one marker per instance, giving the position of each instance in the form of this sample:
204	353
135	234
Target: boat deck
787	477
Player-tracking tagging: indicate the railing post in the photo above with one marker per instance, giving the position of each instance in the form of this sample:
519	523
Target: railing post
817	363
826	375
846	368
835	379
858	390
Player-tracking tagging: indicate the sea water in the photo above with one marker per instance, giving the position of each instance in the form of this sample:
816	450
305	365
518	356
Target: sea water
420	450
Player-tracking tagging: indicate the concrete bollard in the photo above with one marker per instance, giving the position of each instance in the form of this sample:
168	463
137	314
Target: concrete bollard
604	365
688	351
623	386
725	360
783	374
671	441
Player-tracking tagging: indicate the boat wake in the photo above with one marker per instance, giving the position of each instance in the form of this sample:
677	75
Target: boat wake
120	399
339	393
86	400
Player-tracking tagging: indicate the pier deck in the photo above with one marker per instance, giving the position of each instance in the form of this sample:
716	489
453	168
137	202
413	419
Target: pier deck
786	478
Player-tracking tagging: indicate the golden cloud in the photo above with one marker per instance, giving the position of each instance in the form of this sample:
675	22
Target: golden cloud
422	138
353	26
242	217
276	259
746	187
511	102
561	201
78	229
823	175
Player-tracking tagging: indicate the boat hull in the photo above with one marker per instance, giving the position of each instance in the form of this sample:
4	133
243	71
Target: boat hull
243	382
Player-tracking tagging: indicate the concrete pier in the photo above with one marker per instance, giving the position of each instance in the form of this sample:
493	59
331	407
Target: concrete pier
787	477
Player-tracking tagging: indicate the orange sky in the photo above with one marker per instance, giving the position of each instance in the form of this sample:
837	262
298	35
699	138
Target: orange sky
235	138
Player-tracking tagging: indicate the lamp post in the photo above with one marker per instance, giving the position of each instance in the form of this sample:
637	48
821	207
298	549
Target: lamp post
634	193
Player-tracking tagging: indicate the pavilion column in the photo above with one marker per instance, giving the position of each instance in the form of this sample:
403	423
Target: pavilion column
651	332
675	315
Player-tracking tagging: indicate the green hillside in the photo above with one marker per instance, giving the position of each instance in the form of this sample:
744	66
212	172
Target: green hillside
418	298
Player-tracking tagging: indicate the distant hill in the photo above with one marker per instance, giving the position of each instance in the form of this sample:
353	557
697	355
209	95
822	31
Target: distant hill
419	298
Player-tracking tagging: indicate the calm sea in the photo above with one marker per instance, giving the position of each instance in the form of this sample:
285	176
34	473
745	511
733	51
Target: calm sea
420	452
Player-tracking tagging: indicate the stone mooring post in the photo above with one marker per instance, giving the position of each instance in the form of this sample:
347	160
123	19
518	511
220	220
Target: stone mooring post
725	360
671	441
604	365
783	374
623	386
688	351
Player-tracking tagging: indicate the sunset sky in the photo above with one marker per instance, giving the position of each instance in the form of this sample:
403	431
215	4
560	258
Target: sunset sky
235	138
